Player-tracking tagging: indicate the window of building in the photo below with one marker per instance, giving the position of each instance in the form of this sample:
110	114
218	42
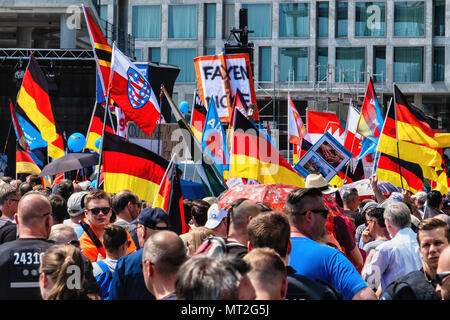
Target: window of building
259	18
350	64
409	18
322	64
294	20
184	59
146	22
104	16
342	19
379	64
439	18
138	54
182	21
154	54
210	51
322	19
228	19
265	64
438	63
293	64
408	64
210	24
370	19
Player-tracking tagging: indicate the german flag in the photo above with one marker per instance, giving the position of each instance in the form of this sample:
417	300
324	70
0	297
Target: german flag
56	148
95	130
102	50
33	98
24	162
409	151
198	117
415	126
400	173
253	157
170	199
129	166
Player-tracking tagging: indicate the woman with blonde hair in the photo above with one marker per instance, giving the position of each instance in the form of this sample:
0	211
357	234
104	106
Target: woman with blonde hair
62	273
196	238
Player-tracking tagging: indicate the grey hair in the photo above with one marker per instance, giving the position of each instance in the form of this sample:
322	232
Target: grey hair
210	278
398	214
349	195
5	191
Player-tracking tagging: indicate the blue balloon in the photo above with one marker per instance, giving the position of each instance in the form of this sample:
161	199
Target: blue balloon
76	142
98	142
184	107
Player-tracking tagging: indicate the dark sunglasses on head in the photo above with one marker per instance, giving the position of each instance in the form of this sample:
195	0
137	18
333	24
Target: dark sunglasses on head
95	211
75	243
323	212
441	276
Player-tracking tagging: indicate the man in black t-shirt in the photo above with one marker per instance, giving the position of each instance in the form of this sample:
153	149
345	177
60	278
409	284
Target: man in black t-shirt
20	259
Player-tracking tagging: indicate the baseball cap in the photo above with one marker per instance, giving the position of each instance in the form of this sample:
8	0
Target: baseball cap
149	217
215	216
75	203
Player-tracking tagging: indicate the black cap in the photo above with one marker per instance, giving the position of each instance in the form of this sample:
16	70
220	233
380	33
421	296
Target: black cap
149	217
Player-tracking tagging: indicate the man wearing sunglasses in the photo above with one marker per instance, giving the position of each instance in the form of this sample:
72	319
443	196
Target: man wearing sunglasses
307	214
97	209
9	198
443	274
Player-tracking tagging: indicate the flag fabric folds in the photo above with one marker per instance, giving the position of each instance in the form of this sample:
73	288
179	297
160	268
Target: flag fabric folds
129	166
352	137
95	129
296	129
132	93
170	198
214	184
253	157
102	51
24	162
317	123
198	117
18	129
33	98
214	139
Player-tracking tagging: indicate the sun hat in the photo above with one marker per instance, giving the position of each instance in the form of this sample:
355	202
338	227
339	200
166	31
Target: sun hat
318	181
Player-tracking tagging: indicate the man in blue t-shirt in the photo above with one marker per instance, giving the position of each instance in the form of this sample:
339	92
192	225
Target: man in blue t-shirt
307	214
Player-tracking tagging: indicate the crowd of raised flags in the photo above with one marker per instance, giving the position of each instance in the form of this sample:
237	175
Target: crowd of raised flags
405	148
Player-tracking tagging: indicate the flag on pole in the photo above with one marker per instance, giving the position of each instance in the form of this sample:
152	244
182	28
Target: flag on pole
169	198
34	100
253	157
102	51
132	93
296	128
214	184
352	138
129	166
198	117
24	162
18	129
95	129
214	139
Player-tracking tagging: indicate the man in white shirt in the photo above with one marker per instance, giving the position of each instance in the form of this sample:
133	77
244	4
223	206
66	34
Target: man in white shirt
398	256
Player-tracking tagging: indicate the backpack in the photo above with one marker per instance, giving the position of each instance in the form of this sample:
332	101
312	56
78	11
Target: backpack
413	286
213	246
104	279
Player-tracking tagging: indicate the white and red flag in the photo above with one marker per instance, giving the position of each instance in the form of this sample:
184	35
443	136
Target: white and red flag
296	128
352	138
318	123
132	92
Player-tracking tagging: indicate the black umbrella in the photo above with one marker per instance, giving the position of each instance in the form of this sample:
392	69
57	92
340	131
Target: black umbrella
71	161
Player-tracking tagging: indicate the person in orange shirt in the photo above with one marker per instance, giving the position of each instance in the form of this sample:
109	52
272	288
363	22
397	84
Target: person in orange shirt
98	211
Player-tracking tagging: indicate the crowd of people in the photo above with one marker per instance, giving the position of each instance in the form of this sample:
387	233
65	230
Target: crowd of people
75	242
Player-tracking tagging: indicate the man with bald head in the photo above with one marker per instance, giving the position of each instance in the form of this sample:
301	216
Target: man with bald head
20	259
241	212
164	253
443	274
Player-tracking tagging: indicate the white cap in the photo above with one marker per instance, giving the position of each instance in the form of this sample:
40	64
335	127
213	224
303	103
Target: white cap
215	216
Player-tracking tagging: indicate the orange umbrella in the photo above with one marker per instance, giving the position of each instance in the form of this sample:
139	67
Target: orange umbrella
274	195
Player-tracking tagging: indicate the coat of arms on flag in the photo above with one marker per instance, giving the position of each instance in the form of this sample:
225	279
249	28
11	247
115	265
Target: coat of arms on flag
138	89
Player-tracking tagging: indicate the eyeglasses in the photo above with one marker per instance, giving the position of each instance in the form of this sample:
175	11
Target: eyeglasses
138	204
160	228
441	276
46	214
96	211
323	212
75	243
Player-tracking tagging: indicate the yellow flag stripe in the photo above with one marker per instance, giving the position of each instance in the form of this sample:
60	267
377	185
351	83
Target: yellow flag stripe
144	189
27	167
